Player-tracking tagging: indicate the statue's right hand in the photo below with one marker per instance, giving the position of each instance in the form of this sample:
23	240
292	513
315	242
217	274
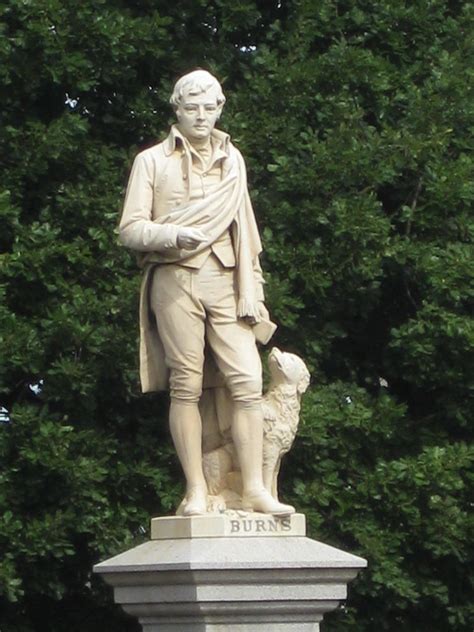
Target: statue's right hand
190	238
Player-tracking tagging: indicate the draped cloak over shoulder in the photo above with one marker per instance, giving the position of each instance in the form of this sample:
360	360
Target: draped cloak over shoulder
227	207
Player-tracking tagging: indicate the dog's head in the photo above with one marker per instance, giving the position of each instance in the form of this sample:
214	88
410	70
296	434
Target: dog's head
288	368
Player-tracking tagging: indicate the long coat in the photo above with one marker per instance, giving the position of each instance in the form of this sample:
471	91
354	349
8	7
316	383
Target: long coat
159	184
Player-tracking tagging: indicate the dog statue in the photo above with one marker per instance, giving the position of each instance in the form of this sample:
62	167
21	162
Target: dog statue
289	379
281	411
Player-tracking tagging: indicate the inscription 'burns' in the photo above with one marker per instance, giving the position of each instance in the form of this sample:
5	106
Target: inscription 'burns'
260	525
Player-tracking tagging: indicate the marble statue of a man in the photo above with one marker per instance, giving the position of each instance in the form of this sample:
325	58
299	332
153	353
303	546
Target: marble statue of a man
188	214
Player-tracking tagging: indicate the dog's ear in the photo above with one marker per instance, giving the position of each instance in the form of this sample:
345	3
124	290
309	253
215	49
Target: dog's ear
303	382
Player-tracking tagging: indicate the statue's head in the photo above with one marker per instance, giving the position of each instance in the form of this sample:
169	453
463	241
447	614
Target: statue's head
197	100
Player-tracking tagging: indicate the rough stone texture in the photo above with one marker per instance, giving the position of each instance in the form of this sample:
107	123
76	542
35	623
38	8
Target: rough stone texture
241	584
224	525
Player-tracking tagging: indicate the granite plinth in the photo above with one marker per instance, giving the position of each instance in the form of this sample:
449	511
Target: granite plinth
241	584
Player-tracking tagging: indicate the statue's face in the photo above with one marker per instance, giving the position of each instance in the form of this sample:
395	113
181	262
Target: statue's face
197	115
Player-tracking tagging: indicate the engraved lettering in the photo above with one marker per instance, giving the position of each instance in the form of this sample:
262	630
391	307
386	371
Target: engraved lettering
260	524
234	526
247	524
286	524
272	525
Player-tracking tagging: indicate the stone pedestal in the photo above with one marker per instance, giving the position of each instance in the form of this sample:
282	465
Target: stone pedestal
263	574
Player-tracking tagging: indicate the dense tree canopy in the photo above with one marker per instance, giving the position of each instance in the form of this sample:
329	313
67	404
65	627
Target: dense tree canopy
356	119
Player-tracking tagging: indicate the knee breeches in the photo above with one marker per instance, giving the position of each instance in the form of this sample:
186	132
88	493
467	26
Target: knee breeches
196	309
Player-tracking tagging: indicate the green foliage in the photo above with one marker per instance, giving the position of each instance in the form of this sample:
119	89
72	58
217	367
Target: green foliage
356	120
410	515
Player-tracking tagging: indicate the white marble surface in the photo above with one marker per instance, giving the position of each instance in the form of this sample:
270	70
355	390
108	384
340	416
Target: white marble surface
232	525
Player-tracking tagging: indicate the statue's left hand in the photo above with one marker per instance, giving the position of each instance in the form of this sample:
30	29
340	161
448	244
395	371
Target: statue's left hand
262	314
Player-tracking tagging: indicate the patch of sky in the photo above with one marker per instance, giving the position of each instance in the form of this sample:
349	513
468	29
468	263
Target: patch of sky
72	103
36	388
4	415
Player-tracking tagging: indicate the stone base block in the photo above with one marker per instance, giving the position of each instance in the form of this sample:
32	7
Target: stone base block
236	524
240	584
